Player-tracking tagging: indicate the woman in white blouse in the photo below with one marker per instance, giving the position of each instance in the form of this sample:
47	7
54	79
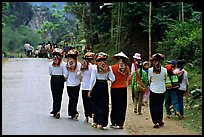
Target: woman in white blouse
157	77
73	83
57	71
98	90
86	68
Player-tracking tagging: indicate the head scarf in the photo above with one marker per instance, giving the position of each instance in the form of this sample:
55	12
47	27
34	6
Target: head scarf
102	67
71	64
57	60
85	65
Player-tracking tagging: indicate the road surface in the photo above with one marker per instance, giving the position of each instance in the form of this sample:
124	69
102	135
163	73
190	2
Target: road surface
27	101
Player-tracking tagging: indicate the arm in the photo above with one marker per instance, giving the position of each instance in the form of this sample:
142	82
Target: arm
50	69
64	70
133	80
111	76
93	78
144	78
78	69
150	75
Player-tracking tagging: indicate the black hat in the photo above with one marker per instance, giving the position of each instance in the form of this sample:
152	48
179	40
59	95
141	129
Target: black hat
158	57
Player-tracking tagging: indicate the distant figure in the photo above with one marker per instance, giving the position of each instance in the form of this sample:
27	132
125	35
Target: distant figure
27	49
66	49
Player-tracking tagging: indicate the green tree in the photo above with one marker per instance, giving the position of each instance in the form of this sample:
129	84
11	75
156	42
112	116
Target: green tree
184	40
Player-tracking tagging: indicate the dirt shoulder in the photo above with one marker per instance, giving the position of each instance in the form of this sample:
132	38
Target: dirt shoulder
142	124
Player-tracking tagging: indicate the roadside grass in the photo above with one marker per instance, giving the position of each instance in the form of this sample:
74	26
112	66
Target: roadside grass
193	119
193	115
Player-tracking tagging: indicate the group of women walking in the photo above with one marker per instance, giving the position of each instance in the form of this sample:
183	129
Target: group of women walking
92	76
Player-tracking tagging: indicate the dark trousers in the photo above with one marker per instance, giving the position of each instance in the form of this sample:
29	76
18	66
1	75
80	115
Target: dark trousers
57	86
180	94
100	98
156	102
87	103
73	93
119	105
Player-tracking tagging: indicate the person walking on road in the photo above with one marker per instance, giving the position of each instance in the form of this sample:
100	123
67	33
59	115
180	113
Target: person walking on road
146	65
138	75
119	91
86	68
57	71
98	90
172	85
157	76
183	89
73	83
137	56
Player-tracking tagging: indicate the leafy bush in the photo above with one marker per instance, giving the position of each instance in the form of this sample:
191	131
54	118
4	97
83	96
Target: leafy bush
184	41
14	39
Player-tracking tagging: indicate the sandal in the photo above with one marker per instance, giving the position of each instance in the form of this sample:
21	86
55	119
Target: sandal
101	127
156	125
75	117
135	110
57	115
94	125
161	123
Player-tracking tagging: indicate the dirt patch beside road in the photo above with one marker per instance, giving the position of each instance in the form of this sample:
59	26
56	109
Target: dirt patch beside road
142	124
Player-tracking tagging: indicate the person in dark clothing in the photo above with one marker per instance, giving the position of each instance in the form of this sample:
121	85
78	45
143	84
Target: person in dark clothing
98	90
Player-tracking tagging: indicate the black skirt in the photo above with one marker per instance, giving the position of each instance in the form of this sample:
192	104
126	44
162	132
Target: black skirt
100	97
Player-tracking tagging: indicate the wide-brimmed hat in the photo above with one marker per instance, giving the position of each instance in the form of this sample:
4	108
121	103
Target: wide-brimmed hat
158	57
57	51
146	62
89	55
137	56
101	56
120	54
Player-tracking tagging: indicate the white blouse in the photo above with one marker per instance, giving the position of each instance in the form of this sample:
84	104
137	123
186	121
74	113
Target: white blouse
184	80
59	70
73	78
86	76
105	76
157	81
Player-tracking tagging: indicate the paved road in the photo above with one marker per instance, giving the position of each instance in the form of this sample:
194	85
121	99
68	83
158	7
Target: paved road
26	103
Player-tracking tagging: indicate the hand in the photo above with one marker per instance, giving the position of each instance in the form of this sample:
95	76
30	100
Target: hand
89	93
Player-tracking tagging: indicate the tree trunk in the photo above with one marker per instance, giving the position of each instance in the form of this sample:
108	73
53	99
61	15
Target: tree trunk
182	12
150	12
119	37
91	31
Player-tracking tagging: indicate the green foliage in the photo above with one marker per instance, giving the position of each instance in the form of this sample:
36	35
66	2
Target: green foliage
183	41
193	120
13	40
